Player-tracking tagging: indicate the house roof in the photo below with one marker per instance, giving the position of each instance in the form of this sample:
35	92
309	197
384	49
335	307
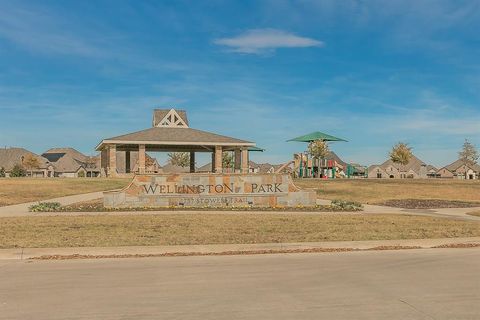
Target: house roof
205	168
170	168
317	135
56	153
9	157
333	156
415	164
174	137
67	164
452	167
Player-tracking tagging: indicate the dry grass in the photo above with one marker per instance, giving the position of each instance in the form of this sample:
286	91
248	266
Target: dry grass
19	190
375	191
474	213
171	229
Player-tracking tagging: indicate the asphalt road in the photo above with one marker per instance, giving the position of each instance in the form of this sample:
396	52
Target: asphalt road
409	284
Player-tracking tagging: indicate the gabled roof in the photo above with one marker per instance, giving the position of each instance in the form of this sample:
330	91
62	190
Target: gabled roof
175	136
160	114
9	157
415	164
452	167
68	164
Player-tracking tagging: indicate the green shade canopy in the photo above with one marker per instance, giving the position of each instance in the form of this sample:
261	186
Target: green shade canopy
317	135
255	149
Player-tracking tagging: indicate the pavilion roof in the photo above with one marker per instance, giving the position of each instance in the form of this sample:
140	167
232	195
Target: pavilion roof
175	136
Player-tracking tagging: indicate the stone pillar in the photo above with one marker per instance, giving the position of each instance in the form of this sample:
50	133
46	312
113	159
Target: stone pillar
141	158
192	162
213	162
244	160
104	160
112	160
238	160
218	159
127	162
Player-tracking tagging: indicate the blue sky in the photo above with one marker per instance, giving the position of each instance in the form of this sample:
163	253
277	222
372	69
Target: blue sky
372	72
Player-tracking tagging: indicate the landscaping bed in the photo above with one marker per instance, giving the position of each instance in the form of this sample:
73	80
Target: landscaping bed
97	206
429	203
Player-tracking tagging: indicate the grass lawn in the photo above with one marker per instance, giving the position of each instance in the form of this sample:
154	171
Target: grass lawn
377	191
144	230
19	190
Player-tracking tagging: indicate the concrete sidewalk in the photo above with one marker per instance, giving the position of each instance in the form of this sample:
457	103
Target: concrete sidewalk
139	251
22	208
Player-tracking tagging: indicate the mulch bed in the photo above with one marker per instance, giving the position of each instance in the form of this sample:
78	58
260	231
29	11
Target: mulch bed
224	253
429	204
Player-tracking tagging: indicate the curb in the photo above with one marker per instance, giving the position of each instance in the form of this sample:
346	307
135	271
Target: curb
231	249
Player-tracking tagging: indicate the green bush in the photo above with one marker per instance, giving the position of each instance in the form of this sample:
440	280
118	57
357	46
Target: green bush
2	172
45	207
18	171
81	174
343	205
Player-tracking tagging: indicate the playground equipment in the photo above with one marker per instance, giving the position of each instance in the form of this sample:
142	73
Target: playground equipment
318	168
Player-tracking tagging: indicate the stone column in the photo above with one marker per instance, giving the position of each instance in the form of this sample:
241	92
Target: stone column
127	162
238	160
141	158
112	160
218	159
192	162
244	160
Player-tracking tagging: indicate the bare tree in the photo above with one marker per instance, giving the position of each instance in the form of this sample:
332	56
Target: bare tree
181	159
468	154
30	162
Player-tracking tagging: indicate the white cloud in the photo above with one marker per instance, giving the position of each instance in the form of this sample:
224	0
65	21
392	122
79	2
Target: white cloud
259	41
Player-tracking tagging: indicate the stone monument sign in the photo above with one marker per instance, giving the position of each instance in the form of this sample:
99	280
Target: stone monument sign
210	190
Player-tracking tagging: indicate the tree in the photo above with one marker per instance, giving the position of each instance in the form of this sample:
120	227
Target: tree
401	154
318	149
227	159
2	172
30	162
468	154
18	171
181	159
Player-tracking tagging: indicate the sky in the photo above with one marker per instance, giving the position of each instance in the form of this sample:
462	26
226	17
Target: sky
372	72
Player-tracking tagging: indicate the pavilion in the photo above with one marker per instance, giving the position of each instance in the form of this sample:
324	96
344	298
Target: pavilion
170	132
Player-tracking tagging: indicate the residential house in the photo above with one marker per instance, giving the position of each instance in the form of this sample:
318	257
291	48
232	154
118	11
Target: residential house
9	157
459	170
415	169
71	163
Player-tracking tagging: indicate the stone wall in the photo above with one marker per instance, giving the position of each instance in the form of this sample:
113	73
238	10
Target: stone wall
210	190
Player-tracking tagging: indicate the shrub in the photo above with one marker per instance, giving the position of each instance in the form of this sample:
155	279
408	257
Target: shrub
18	171
45	207
343	205
81	174
2	172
